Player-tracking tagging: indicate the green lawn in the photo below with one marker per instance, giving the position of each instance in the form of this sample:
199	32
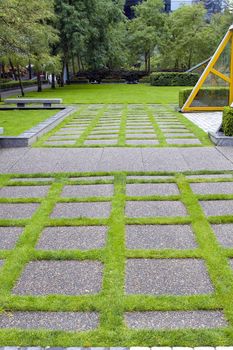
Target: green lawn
15	122
112	93
112	302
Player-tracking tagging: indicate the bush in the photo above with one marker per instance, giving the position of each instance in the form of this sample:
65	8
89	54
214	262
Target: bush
113	81
145	80
173	79
79	81
211	97
227	121
14	84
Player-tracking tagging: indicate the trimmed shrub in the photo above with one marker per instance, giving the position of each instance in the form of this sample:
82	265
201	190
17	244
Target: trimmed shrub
113	81
212	97
145	80
173	79
227	121
79	81
14	84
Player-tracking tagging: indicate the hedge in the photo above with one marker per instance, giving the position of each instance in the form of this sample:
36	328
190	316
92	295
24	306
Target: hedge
79	81
227	121
113	81
15	84
173	79
145	80
209	96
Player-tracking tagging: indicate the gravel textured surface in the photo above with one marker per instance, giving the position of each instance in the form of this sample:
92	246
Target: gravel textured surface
167	276
151	189
68	237
218	207
17	211
213	188
209	176
60	277
9	236
175	319
66	321
224	234
183	141
78	210
88	191
160	237
23	191
139	209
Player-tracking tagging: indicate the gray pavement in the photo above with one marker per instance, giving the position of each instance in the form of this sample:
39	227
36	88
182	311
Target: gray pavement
5	94
36	160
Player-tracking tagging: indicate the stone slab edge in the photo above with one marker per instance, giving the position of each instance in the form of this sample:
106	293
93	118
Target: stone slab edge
28	137
219	139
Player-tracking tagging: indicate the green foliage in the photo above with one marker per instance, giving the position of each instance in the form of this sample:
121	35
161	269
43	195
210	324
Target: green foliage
173	79
208	96
15	84
227	121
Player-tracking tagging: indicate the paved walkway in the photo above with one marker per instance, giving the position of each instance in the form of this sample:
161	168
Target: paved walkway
207	121
5	94
36	160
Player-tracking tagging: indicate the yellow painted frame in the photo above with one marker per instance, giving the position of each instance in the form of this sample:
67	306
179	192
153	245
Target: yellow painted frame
210	69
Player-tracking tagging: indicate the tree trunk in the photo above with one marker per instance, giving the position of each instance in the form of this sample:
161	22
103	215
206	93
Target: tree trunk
53	85
39	85
148	64
13	69
73	65
30	70
79	64
68	74
20	81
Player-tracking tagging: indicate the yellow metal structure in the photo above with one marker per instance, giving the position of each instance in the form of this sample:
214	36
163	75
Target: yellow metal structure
211	70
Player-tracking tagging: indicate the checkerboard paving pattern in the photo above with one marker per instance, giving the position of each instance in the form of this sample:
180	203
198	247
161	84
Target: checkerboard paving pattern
123	126
119	252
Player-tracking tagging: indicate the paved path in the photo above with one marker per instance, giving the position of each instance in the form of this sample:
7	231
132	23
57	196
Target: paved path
5	94
37	160
208	121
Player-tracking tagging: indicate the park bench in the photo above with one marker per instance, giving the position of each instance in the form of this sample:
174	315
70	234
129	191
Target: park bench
21	102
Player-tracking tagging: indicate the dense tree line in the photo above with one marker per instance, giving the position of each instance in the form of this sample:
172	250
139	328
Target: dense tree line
63	37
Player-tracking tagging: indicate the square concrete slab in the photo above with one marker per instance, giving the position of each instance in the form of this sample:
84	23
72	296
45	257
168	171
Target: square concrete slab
56	321
59	143
70	237
167	277
100	142
81	210
88	191
210	176
149	177
160	189
137	209
160	237
217	207
224	233
142	142
9	236
60	277
212	188
92	178
23	191
17	211
197	319
32	179
184	141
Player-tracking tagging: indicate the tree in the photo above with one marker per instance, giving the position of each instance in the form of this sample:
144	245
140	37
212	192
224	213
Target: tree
146	29
188	38
26	29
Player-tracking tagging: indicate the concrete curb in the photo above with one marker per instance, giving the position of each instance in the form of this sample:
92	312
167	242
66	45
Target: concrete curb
28	137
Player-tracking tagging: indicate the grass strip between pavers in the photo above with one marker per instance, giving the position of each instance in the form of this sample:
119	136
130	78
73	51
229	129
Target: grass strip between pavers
112	302
128	113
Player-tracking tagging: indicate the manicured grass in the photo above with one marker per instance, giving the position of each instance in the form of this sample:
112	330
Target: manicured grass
112	93
112	302
16	122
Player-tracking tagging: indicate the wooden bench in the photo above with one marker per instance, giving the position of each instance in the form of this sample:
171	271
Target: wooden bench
21	102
